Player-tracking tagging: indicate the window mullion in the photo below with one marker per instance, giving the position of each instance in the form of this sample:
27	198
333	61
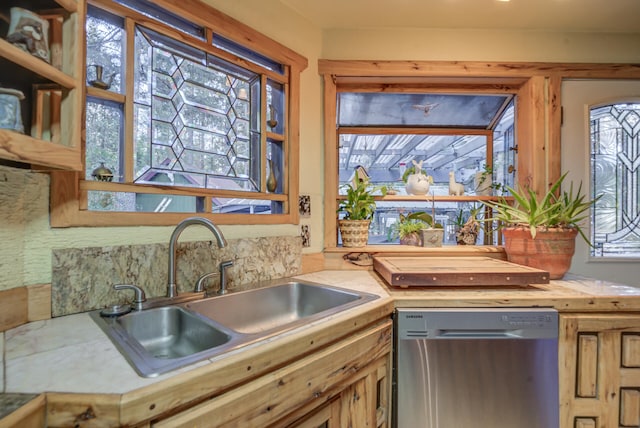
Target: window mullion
129	96
263	133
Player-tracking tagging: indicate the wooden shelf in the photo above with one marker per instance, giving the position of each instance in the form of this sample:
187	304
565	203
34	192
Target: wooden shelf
106	95
70	6
31	75
424	198
35	65
23	148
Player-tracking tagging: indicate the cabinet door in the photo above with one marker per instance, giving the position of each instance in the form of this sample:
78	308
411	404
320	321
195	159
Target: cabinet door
327	416
363	403
599	357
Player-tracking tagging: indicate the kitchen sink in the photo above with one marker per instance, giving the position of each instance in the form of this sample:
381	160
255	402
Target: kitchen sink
277	308
171	332
162	339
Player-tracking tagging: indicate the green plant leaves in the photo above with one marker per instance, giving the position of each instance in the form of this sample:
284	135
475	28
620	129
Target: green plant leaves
564	211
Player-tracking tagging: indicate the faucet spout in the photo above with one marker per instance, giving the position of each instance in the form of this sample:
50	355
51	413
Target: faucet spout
172	290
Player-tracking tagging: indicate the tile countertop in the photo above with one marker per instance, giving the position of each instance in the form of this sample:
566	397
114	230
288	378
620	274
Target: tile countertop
72	354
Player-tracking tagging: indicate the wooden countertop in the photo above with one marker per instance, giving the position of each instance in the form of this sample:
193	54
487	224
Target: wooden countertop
70	355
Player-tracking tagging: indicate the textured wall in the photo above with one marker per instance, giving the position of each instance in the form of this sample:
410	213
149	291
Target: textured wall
21	193
82	278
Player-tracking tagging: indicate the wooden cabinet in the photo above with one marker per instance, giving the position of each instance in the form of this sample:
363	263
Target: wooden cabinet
52	89
346	384
364	403
599	357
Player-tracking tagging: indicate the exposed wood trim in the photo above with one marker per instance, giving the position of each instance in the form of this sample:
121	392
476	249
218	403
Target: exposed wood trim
330	162
32	414
38	302
313	262
70	6
30	62
102	219
13	308
292	143
188	40
128	149
106	95
554	146
476	69
432	88
200	13
532	135
496	83
23	148
418	131
176	190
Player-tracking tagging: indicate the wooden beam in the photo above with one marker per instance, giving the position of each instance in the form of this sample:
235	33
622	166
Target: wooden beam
476	69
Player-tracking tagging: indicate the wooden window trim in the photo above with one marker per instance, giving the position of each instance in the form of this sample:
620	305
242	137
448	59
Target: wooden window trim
537	85
68	189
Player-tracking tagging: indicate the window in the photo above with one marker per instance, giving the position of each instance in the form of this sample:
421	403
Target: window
463	133
183	119
615	174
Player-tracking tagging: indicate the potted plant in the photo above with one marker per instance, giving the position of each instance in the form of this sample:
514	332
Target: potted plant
358	209
409	228
483	182
541	233
468	227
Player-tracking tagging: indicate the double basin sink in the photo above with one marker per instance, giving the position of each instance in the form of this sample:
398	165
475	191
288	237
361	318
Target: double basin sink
162	339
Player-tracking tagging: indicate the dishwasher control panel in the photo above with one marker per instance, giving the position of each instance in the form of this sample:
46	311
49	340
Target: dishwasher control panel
469	323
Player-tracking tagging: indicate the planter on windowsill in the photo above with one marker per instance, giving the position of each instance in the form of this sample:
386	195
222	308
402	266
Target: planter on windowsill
432	237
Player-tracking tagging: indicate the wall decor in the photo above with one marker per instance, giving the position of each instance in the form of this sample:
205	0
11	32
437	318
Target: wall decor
304	205
305	233
30	32
10	112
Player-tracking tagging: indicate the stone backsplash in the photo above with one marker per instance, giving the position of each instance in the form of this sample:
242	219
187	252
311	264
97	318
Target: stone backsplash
83	278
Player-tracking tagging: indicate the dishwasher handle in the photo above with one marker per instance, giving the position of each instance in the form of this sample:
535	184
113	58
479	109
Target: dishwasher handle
479	334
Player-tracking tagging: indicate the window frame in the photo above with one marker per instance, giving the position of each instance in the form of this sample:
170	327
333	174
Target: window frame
69	189
538	115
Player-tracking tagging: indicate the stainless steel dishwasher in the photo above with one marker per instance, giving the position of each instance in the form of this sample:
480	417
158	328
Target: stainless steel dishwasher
476	368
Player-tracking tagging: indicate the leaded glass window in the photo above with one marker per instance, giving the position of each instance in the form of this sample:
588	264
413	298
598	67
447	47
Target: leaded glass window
200	116
615	174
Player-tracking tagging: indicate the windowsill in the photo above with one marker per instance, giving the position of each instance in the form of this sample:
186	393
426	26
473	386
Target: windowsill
457	250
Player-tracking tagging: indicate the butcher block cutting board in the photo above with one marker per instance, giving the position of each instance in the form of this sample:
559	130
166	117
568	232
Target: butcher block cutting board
455	271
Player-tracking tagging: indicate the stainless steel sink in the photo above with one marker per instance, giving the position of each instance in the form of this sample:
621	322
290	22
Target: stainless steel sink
171	332
278	307
162	339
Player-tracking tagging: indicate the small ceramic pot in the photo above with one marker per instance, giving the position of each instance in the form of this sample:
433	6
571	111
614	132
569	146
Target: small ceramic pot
10	112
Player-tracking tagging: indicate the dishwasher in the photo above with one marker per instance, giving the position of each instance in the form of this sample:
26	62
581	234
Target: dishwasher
476	368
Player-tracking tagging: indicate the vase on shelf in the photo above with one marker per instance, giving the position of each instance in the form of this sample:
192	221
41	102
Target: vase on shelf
10	112
272	181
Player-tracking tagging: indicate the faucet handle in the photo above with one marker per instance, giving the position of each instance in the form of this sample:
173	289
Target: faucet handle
202	279
140	296
223	276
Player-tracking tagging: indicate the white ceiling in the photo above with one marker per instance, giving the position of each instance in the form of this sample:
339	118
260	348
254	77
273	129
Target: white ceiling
548	15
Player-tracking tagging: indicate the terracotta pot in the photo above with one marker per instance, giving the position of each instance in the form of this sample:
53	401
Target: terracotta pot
354	233
551	250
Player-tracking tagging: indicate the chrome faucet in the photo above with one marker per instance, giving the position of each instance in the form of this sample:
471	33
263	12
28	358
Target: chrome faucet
172	290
